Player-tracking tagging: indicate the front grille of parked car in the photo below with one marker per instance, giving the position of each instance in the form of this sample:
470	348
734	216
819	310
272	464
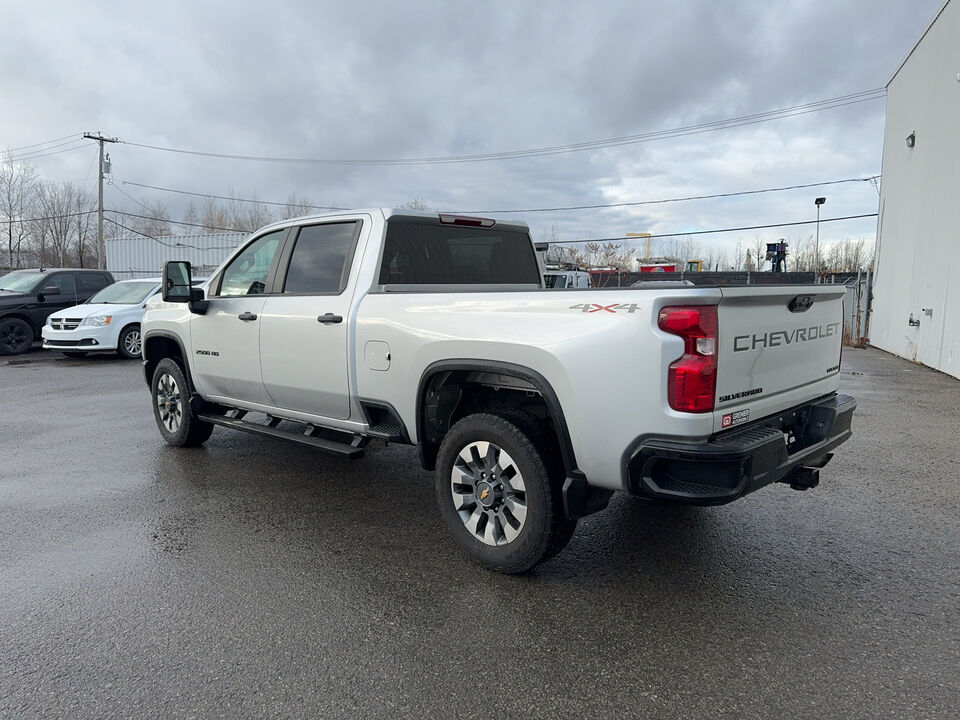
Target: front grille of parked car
65	323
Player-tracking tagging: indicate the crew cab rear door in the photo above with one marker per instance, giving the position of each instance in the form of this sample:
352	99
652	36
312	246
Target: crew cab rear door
778	346
304	327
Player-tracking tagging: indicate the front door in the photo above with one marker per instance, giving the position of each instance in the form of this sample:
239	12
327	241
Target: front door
303	335
226	340
55	292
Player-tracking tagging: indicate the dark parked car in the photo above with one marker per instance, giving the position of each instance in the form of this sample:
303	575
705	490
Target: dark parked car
28	296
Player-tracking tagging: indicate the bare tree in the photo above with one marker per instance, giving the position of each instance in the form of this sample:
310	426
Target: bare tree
57	203
247	215
85	238
297	206
846	256
740	253
759	252
212	215
190	215
18	184
157	220
417	204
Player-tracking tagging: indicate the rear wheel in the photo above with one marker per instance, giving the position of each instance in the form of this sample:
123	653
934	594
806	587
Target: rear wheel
497	492
129	342
171	407
16	336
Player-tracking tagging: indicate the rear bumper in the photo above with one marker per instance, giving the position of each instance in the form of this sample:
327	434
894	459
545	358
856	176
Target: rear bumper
780	448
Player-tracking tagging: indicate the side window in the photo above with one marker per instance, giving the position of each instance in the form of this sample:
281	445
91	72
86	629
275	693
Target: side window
247	273
62	281
89	283
320	261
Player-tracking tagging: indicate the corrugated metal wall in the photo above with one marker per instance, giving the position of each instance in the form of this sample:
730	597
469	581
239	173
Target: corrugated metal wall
131	257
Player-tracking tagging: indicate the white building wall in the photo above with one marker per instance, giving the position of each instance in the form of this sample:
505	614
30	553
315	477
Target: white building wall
918	248
130	257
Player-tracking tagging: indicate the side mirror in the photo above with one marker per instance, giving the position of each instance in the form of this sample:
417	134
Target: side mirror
49	290
176	282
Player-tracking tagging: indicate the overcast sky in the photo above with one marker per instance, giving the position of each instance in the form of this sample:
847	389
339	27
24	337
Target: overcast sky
390	80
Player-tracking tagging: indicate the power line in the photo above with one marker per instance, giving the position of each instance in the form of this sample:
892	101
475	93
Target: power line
815	106
46	142
166	244
175	222
224	197
671	200
712	232
48	217
527	210
127	195
41	153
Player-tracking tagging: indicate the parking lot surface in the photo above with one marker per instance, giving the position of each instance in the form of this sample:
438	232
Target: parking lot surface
253	578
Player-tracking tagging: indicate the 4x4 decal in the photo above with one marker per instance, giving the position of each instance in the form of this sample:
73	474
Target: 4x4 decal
612	308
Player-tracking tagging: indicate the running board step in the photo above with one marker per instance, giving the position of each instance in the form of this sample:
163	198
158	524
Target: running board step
331	446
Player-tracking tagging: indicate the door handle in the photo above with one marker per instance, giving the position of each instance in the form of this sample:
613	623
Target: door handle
247	316
328	318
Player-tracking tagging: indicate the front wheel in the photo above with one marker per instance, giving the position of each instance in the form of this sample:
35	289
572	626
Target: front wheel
498	494
171	407
129	342
16	336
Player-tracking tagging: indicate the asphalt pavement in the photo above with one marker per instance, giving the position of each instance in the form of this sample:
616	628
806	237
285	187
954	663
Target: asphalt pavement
253	578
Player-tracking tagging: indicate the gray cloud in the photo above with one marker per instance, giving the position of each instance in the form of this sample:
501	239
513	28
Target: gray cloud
386	80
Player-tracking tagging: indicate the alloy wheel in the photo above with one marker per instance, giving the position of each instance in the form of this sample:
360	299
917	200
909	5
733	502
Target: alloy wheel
131	343
488	493
169	402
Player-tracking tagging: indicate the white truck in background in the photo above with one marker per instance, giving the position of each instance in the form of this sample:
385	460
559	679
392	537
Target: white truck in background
564	276
531	406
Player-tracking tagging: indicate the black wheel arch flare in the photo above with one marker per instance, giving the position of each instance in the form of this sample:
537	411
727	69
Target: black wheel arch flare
428	450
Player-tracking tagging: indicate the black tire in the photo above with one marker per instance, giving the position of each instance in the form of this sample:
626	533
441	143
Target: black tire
129	343
549	448
16	336
542	531
170	393
74	353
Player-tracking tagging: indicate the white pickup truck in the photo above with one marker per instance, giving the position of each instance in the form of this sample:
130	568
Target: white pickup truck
532	406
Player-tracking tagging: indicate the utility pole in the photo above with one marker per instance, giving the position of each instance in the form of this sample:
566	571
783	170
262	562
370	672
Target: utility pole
101	248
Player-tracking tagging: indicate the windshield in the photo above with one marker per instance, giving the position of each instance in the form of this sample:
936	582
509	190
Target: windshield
125	293
20	280
555	281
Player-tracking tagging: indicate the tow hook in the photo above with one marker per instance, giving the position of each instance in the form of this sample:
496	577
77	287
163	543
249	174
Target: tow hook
805	478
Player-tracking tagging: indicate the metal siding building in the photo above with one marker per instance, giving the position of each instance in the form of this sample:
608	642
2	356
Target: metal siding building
131	257
916	309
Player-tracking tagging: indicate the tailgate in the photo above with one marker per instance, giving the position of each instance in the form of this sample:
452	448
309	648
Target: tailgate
778	346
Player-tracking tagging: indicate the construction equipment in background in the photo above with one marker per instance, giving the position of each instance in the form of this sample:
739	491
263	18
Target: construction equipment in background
777	255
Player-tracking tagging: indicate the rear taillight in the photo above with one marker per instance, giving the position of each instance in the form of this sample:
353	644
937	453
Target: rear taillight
692	380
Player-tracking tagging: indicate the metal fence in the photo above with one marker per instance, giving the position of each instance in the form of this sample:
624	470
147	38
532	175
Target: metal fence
856	308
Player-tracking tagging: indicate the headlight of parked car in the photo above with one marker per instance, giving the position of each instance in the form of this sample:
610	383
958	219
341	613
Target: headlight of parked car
49	322
96	320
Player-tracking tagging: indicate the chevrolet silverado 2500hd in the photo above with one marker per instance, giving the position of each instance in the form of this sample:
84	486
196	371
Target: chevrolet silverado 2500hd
532	406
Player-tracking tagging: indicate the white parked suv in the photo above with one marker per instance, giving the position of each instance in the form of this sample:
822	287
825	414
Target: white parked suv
110	320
